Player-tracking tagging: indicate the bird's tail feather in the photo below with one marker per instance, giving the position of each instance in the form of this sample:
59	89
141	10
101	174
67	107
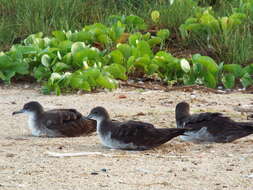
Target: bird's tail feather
246	125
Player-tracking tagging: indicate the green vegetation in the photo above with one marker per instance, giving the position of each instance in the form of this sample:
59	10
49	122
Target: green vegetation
63	55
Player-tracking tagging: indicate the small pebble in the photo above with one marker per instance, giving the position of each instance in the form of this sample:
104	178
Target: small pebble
122	96
10	155
94	173
104	170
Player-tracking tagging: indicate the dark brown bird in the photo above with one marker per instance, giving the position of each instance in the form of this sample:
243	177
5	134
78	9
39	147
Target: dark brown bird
210	127
130	135
56	122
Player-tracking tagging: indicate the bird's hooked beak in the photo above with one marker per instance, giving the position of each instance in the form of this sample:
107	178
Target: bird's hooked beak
90	116
17	112
85	118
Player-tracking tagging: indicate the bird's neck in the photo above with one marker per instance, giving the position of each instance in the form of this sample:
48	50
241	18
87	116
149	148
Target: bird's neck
182	115
103	126
36	114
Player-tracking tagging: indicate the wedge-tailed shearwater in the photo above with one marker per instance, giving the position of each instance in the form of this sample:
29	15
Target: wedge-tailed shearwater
130	135
210	127
56	122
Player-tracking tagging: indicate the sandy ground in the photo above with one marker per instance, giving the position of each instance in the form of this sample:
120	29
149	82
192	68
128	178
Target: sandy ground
25	164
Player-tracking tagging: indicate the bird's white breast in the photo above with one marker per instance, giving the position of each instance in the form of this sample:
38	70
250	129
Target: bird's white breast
107	141
201	135
32	124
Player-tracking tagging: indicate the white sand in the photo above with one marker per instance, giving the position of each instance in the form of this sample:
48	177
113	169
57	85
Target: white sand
24	163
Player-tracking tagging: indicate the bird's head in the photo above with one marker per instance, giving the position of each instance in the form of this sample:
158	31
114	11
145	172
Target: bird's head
98	114
182	110
30	107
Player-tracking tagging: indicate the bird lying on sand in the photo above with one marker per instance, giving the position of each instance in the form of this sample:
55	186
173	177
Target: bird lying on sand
130	135
56	122
210	127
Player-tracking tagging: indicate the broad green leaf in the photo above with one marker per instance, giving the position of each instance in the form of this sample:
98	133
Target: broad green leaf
54	42
85	86
85	54
105	82
55	76
235	69
5	62
152	68
130	63
59	35
76	81
134	38
77	46
96	29
135	22
228	80
144	48
210	80
146	36
8	74
21	67
83	36
154	41
246	80
2	76
247	69
207	62
30	40
46	60
191	20
125	49
142	62
41	73
104	39
92	72
195	27
185	65
57	90
163	34
25	50
117	71
117	56
59	66
65	46
116	33
198	69
67	58
210	21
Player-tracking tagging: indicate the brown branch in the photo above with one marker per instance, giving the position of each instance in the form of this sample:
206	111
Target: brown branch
182	88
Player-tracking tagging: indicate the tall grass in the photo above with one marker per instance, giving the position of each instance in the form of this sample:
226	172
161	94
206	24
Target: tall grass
20	18
175	14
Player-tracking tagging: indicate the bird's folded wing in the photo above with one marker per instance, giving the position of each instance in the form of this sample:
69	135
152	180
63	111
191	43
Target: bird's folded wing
141	134
77	128
202	117
65	115
215	123
68	122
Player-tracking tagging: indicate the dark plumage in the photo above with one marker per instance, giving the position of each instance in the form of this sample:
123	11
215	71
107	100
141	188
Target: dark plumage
56	122
131	135
210	127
